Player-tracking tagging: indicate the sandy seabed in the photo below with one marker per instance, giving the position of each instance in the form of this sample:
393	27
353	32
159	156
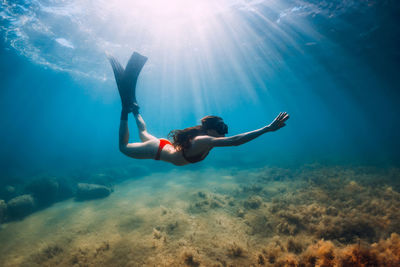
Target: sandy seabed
310	216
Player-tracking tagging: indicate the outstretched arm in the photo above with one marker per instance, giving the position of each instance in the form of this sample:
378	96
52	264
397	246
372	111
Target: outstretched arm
243	138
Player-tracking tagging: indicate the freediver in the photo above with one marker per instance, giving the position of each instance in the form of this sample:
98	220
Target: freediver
189	145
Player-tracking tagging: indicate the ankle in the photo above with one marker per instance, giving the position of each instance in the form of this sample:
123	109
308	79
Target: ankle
135	109
124	114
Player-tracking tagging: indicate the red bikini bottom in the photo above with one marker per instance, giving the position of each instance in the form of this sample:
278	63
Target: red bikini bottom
163	142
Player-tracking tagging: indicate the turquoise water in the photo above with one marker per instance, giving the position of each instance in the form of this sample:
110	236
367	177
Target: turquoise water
333	66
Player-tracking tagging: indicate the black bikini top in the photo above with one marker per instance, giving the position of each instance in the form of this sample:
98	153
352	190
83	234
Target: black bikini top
194	159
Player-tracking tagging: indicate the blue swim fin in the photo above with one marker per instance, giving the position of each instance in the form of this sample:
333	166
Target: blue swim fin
127	79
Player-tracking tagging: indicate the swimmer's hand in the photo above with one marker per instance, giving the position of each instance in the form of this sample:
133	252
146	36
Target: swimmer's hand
279	122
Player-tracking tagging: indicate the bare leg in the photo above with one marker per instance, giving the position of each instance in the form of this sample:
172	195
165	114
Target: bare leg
126	81
123	134
144	150
143	134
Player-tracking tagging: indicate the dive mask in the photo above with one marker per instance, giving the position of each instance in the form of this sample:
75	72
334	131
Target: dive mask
222	128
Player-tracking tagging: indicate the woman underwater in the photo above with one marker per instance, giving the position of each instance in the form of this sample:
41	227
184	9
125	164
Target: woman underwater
189	145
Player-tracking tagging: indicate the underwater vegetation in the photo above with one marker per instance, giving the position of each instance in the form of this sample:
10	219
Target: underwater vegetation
314	215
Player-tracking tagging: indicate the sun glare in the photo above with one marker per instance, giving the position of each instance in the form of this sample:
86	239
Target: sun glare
178	9
177	15
193	46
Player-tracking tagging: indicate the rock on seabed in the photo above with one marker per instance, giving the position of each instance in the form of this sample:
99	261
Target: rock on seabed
92	191
20	206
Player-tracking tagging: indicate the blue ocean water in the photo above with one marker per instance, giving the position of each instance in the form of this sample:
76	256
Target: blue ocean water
332	65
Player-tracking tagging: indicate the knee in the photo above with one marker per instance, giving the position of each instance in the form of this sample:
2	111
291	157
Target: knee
122	148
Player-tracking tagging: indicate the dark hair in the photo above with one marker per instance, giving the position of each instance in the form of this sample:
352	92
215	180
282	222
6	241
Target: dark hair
181	138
